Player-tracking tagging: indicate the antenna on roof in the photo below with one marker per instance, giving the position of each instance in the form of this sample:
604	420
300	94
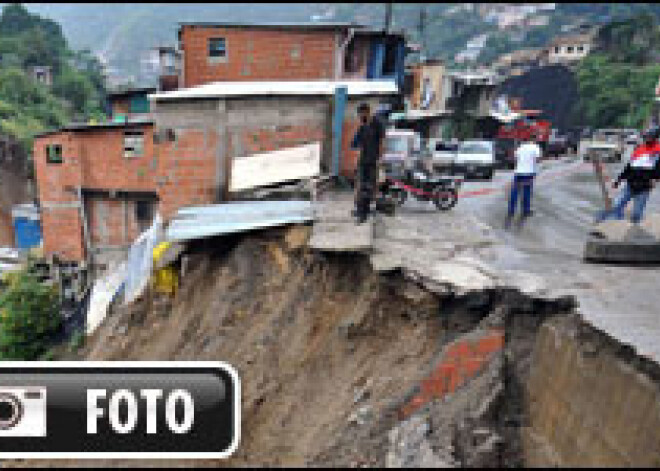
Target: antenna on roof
421	26
388	17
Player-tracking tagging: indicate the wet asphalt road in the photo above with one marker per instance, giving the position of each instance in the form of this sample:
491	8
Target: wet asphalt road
623	301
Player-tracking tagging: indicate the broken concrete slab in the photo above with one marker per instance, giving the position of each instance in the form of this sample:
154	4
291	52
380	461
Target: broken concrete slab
638	234
461	275
342	236
612	230
606	251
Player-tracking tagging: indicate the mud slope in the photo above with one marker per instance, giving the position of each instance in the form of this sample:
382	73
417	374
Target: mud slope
328	351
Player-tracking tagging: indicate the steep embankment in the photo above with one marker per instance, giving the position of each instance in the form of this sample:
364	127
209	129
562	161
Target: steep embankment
334	359
342	366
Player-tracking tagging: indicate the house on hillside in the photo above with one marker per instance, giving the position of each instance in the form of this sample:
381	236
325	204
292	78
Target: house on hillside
41	74
424	93
569	49
518	62
130	102
461	97
210	52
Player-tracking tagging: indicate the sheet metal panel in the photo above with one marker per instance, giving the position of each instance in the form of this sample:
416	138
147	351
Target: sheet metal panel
207	221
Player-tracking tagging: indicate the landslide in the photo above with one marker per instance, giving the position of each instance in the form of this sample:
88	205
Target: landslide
327	350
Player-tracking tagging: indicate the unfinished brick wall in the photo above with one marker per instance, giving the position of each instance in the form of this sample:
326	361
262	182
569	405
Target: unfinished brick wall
56	185
104	165
258	54
112	222
187	169
254	140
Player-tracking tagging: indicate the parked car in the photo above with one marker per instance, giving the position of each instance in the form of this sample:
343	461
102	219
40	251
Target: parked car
633	138
443	154
557	145
573	137
476	158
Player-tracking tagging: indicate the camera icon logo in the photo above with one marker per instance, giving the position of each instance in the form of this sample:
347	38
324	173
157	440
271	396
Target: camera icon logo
22	411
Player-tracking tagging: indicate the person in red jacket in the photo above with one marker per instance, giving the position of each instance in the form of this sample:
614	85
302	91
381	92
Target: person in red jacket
640	175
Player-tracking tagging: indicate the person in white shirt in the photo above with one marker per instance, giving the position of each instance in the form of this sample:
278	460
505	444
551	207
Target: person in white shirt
527	156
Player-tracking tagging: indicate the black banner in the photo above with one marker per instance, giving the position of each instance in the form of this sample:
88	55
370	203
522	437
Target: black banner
118	410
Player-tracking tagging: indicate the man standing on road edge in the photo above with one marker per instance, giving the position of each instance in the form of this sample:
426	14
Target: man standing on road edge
640	174
369	138
527	156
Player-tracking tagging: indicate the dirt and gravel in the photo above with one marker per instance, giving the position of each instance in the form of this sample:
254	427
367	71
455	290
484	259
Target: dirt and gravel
328	352
330	347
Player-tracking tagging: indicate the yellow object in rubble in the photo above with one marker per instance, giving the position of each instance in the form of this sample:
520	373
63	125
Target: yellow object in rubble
160	250
166	279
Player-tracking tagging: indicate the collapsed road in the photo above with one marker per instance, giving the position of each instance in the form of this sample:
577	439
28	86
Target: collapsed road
421	339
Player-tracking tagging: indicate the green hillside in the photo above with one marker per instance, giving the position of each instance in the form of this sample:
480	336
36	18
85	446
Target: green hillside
28	106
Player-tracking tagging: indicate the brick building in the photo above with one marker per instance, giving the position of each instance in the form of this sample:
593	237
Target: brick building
100	185
210	52
130	101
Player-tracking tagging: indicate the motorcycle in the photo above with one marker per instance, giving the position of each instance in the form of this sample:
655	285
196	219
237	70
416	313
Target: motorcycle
423	186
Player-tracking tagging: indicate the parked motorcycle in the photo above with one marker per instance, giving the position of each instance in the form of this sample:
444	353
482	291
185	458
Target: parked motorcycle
423	186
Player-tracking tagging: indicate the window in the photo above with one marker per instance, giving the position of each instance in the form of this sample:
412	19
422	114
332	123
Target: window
390	61
396	145
54	154
144	214
351	59
133	144
580	48
556	49
569	49
217	49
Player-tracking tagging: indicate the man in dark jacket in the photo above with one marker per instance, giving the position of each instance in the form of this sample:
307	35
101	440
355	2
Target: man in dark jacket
369	138
640	175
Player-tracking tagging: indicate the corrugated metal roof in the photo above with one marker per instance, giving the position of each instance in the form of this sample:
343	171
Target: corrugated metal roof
228	218
291	88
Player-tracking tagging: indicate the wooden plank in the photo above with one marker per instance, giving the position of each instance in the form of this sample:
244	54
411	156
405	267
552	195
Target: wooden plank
279	166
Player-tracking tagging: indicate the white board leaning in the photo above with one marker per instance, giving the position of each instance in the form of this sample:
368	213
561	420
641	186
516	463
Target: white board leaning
293	163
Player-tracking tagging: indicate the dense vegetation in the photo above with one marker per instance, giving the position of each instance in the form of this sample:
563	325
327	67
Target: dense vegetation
29	317
617	82
28	106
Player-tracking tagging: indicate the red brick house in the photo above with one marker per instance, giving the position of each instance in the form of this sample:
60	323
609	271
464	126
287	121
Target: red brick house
211	52
100	185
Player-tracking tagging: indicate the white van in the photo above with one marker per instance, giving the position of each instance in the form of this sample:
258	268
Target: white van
475	158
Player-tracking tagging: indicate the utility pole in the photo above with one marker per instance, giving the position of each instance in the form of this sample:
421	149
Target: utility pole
421	26
388	17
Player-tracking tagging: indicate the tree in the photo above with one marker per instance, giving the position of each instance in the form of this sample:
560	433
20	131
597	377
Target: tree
29	316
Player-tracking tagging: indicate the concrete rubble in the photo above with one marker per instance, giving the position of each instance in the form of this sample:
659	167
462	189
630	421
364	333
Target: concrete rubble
625	242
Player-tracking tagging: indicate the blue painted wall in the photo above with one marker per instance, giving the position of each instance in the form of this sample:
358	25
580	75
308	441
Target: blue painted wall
27	233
